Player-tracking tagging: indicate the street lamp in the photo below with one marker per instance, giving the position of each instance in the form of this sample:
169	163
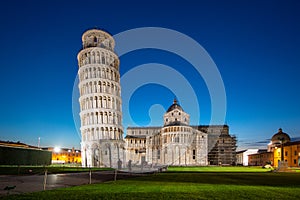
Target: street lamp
282	151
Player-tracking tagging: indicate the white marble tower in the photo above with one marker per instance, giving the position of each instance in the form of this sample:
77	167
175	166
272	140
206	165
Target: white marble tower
101	128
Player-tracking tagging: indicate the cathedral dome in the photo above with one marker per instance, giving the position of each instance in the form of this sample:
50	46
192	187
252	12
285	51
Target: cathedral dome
175	105
280	137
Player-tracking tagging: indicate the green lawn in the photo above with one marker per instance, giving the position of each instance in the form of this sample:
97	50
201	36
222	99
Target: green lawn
218	169
182	183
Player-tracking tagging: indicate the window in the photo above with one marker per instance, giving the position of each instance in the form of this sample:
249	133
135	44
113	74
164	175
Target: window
158	154
295	153
95	39
105	152
295	161
194	154
286	153
177	139
131	141
136	151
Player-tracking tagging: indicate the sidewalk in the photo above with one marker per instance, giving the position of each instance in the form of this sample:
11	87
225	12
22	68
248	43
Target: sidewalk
34	183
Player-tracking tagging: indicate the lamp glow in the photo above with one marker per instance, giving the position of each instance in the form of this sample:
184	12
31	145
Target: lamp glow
56	149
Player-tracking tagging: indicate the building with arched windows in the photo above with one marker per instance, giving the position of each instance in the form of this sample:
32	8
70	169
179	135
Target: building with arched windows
281	151
102	144
179	143
101	128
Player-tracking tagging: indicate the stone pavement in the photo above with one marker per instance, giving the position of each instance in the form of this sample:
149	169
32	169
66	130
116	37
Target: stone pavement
33	183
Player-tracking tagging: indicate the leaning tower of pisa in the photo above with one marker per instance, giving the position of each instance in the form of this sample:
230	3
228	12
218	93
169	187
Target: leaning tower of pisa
101	128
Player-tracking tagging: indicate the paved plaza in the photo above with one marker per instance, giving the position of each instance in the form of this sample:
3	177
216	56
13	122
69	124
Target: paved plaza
33	183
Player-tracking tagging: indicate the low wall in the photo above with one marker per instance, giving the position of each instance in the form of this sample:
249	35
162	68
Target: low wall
24	156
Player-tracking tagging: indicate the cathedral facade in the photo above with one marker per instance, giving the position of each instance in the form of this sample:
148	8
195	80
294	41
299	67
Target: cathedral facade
179	143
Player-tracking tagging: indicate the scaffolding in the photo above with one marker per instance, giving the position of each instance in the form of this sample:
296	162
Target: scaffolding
224	151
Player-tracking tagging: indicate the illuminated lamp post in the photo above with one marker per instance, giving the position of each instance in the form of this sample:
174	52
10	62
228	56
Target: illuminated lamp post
281	146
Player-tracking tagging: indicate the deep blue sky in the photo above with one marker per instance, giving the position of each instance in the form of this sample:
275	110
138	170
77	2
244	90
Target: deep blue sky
255	45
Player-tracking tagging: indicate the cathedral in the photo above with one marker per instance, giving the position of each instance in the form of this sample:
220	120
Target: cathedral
103	144
180	144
